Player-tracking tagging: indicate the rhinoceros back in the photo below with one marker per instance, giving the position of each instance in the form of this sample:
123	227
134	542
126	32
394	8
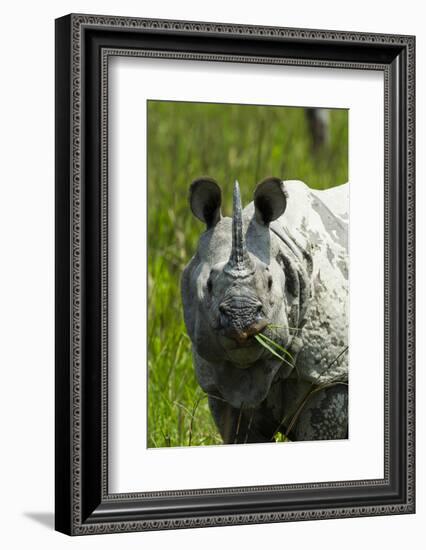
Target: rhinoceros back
316	223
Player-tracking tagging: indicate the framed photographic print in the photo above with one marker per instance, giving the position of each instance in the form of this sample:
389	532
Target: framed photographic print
234	274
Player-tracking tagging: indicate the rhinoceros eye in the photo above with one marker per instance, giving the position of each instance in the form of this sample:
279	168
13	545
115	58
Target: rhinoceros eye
269	282
209	285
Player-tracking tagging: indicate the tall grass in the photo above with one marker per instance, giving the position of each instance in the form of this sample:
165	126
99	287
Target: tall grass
226	142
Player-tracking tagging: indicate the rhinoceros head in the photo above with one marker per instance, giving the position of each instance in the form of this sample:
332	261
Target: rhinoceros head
234	286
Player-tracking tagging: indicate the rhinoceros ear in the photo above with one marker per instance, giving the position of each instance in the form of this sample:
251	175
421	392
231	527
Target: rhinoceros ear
270	200
205	198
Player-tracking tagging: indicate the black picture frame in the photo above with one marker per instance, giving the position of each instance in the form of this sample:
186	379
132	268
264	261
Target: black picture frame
83	45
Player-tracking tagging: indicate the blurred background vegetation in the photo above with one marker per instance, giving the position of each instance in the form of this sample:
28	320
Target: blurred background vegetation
226	142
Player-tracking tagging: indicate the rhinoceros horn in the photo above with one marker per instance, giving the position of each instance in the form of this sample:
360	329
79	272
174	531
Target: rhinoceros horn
239	263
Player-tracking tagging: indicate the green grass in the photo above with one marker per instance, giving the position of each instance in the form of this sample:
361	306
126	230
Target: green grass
226	142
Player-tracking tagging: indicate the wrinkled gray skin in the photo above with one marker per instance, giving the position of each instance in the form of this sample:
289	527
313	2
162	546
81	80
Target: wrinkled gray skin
281	261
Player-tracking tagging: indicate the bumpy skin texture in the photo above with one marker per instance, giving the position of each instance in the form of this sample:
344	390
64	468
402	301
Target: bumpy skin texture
298	279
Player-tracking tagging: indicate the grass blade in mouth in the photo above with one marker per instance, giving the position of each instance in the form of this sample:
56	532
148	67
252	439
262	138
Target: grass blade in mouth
263	341
277	345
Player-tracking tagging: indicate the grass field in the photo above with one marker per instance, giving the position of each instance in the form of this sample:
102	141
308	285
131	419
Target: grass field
226	142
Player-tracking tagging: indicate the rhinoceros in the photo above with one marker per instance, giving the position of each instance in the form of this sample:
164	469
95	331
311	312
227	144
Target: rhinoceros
277	268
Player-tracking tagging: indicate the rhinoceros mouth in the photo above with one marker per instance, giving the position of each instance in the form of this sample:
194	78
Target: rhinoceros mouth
244	336
243	354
